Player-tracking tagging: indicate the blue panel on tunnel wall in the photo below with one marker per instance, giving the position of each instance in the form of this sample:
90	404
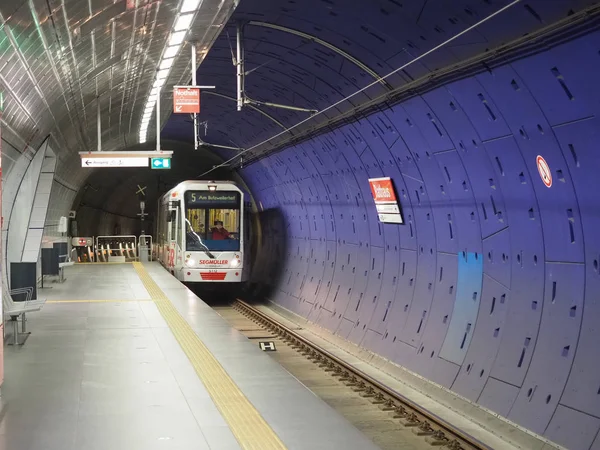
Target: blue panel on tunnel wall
554	351
486	340
572	429
433	327
466	307
579	144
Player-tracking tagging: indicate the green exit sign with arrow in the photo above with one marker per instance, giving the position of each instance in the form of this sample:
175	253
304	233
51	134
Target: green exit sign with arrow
160	163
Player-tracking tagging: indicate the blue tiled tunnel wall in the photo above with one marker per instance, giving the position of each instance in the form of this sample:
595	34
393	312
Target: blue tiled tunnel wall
492	286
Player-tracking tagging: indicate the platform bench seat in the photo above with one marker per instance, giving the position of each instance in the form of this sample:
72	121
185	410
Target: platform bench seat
14	309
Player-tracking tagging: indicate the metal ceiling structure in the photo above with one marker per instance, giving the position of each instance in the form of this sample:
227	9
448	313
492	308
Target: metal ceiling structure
61	59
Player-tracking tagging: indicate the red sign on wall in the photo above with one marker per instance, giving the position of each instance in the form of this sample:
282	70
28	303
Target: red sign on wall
382	190
385	199
186	100
544	171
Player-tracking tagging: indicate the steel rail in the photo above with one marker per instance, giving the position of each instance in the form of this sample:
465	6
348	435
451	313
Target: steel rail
437	431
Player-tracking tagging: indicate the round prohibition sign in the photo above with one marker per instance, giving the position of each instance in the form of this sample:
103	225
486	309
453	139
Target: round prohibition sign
544	171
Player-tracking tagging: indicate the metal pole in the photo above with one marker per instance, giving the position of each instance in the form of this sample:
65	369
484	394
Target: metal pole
158	120
99	119
240	92
194	84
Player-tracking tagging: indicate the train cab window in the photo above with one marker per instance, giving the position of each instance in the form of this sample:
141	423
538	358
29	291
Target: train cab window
212	220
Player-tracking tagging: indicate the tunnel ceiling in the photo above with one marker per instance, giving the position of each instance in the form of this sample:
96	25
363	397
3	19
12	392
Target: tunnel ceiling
312	54
57	57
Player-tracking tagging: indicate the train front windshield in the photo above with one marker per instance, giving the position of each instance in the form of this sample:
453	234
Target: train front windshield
212	220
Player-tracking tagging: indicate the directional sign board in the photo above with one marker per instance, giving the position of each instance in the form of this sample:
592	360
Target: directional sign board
186	100
160	163
114	162
124	158
385	199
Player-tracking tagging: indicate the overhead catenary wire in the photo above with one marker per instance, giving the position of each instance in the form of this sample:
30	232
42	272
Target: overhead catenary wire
377	81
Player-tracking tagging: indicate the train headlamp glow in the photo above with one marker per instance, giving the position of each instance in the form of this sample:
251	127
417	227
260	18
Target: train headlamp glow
235	263
212	187
190	262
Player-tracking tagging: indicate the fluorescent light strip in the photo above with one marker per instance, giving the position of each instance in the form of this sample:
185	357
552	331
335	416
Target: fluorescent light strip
162	74
190	5
166	64
172	51
182	24
177	38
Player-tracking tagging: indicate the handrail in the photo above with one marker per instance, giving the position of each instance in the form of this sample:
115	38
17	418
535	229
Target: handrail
139	245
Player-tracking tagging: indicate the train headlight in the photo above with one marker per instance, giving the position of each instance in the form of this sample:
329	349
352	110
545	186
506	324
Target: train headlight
234	263
190	262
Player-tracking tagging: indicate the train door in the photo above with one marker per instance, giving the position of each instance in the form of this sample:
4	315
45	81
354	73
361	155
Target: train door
179	237
172	236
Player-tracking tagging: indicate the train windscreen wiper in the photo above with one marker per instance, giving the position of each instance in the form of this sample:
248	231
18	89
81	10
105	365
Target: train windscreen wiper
206	249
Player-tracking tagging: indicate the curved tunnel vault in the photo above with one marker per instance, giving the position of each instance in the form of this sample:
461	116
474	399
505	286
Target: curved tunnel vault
491	287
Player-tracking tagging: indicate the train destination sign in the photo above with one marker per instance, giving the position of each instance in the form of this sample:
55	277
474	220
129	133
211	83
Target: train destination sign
198	198
385	199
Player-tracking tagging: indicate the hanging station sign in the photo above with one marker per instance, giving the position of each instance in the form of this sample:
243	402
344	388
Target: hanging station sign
123	158
385	199
114	162
186	100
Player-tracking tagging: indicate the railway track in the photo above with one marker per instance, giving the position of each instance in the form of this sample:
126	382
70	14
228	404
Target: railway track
425	428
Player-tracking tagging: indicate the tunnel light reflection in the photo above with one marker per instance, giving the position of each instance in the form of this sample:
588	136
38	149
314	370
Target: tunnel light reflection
181	26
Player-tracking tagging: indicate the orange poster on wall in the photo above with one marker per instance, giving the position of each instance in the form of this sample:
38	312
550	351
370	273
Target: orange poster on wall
386	202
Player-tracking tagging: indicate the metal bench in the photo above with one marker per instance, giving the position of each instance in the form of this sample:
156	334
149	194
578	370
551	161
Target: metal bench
61	266
14	309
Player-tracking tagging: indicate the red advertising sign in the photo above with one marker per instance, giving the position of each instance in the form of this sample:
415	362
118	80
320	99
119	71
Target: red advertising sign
385	199
382	190
186	100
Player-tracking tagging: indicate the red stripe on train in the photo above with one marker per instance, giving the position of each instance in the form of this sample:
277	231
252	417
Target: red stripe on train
213	276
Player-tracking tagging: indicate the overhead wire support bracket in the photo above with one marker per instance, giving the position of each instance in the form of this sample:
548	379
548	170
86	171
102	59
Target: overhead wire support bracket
206	144
249	101
242	98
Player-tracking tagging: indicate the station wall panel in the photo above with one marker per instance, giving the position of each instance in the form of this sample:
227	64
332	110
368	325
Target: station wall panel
463	160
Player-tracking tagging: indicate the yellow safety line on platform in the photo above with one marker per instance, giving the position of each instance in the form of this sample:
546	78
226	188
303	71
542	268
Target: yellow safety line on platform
97	301
245	422
100	262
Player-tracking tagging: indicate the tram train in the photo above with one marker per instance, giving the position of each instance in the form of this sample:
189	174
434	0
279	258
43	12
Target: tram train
203	232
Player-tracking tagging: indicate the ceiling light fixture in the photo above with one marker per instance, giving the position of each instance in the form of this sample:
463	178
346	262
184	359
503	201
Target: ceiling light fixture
166	63
190	5
183	22
172	51
181	27
177	38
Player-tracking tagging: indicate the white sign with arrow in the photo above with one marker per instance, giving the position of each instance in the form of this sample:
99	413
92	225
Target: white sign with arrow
114	162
